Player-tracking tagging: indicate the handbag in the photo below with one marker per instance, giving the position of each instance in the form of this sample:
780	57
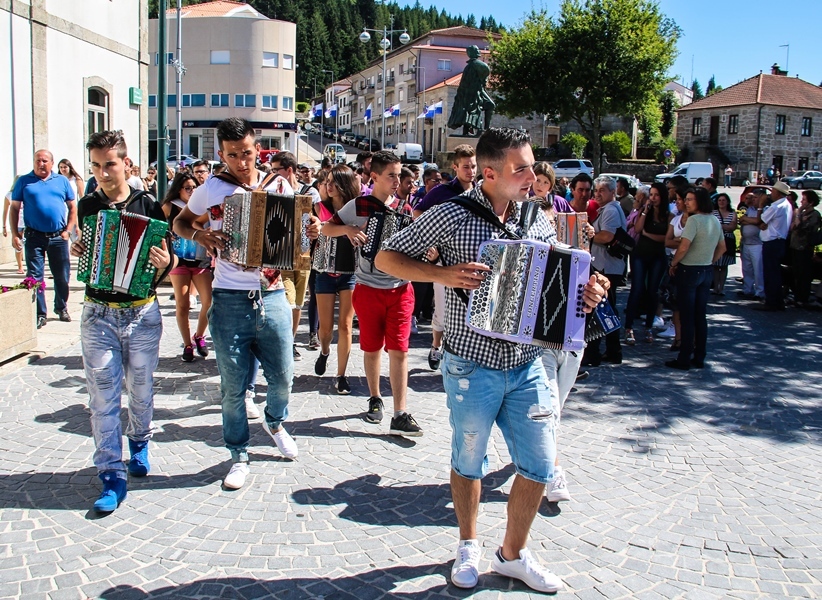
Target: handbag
730	244
622	245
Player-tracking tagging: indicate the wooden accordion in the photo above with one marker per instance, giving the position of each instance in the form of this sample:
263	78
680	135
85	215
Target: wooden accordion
532	294
117	252
267	230
381	226
571	230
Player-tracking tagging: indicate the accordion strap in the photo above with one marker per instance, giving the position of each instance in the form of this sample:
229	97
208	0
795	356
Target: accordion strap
229	178
484	214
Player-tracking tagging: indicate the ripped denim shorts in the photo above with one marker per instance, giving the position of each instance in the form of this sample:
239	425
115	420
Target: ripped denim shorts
518	400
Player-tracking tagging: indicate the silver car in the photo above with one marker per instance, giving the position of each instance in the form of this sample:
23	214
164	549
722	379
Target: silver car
571	167
804	180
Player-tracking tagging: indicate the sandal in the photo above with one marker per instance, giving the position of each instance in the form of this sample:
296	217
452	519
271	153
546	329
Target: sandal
675	345
629	337
649	336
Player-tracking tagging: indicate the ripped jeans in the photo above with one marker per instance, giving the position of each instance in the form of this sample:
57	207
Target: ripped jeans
120	345
522	404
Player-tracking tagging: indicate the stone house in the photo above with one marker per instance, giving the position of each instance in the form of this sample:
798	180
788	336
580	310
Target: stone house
767	120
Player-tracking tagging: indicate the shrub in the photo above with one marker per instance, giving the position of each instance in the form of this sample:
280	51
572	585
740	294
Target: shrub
575	142
616	145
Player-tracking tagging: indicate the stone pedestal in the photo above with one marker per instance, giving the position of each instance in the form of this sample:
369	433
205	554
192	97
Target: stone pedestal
457	140
18	315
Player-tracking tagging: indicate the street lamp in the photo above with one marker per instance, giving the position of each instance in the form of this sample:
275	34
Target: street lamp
415	69
385	46
333	103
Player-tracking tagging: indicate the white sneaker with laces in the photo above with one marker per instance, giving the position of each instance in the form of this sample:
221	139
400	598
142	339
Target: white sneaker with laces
659	323
527	570
465	572
251	410
558	489
285	443
669	332
236	476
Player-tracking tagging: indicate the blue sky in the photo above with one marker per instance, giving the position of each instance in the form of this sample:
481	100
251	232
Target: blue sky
731	39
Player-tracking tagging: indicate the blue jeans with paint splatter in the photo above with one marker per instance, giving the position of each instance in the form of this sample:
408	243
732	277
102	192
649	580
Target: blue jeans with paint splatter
522	404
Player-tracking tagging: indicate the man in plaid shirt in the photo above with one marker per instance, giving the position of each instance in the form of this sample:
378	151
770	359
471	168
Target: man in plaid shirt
489	380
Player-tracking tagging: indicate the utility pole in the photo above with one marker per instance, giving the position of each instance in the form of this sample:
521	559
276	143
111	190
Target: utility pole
181	70
162	103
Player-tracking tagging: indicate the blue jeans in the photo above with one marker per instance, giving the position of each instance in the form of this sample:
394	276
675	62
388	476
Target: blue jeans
772	254
38	247
244	326
693	287
119	344
646	275
518	400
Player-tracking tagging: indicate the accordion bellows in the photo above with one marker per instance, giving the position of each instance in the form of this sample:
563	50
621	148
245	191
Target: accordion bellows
532	294
117	251
571	230
267	230
381	226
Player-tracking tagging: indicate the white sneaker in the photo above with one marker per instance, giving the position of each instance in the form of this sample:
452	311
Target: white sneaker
669	332
194	303
465	572
527	570
251	410
558	488
236	476
285	442
414	328
659	323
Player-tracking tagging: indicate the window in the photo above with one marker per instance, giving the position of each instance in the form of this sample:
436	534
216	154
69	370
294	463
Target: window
245	100
402	94
152	100
172	100
218	100
186	100
220	57
271	59
807	125
697	126
97	110
780	125
402	68
444	64
288	103
270	102
733	124
198	100
288	61
169	58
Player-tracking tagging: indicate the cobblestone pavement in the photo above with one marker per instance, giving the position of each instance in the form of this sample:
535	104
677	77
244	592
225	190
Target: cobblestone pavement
699	484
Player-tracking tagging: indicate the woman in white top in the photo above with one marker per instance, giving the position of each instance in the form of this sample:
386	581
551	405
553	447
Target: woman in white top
672	239
67	170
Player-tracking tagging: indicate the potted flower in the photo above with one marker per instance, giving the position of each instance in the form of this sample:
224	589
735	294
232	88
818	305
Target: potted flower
18	317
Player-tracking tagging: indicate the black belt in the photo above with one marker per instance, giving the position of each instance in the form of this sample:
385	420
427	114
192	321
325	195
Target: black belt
48	234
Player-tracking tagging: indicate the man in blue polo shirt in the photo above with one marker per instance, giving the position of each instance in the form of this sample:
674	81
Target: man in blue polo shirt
50	214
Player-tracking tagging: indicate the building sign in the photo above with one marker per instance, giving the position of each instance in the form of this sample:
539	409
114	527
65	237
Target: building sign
254	124
135	95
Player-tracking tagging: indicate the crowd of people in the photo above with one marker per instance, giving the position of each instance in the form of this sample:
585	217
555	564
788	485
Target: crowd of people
677	239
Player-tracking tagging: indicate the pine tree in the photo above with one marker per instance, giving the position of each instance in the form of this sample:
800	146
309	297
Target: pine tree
697	90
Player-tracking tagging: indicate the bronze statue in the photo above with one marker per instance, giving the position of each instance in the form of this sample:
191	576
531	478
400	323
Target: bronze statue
473	107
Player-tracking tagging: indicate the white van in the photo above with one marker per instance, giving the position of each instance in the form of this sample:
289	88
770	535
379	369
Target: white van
408	153
690	170
335	152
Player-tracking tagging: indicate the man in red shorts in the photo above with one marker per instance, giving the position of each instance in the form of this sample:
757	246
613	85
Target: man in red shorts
384	304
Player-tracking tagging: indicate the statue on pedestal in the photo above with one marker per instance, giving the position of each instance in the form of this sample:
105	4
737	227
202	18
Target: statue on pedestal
473	107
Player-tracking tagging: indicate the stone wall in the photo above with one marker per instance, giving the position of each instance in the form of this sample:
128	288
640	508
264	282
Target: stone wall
645	172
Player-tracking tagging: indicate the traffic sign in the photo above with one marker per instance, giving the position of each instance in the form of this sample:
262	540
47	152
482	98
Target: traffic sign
667	153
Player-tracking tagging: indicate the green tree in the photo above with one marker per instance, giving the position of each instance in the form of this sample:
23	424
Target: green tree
666	143
667	106
616	145
696	88
598	57
650	120
575	142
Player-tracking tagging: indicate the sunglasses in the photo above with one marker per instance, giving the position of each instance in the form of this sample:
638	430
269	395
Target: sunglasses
189	188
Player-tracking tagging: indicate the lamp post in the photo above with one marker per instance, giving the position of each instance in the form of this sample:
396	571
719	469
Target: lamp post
333	102
416	69
180	69
385	45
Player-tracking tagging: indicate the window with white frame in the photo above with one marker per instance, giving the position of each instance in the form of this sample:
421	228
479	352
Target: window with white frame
402	95
169	58
193	100
270	102
221	57
444	64
271	59
245	100
152	100
218	100
288	61
288	103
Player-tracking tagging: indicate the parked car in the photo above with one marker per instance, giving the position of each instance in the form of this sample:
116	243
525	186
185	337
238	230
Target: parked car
633	182
348	138
171	161
357	139
369	144
804	180
336	152
571	167
690	170
409	153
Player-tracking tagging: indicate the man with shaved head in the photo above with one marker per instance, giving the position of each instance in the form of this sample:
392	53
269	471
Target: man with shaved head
50	214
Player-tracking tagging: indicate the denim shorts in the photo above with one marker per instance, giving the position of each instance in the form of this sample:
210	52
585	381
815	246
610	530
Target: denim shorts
518	400
333	284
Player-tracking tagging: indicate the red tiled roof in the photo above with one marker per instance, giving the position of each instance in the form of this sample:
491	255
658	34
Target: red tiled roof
455	80
463	30
218	8
776	90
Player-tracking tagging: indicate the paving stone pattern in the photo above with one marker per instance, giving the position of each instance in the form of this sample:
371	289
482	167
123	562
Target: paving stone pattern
703	484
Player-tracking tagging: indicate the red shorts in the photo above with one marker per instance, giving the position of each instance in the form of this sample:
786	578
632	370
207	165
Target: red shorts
384	316
192	271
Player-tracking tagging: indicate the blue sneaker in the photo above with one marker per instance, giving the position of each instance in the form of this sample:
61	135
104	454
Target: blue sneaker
138	466
114	492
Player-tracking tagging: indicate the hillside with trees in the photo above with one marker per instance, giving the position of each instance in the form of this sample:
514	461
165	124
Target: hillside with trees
328	31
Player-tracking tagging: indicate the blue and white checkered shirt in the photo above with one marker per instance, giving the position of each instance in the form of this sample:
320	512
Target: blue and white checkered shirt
457	234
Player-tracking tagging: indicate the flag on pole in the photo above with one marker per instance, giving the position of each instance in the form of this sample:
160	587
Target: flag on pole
424	113
317	110
331	111
367	116
393	111
437	107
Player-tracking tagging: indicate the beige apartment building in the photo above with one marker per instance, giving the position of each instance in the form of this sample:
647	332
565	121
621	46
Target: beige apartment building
237	62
